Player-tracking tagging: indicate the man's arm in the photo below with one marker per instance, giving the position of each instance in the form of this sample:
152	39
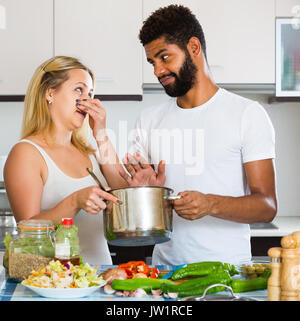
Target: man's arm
259	206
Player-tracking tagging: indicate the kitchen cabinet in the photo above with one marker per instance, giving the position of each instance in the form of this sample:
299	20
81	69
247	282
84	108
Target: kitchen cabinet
287	8
26	41
103	35
240	38
288	57
287	50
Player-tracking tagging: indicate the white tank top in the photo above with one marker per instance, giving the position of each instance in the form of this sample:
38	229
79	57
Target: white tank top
90	227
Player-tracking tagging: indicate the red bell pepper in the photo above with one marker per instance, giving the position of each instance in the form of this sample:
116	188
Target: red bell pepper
133	267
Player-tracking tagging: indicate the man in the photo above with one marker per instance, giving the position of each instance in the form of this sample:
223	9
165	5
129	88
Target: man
218	148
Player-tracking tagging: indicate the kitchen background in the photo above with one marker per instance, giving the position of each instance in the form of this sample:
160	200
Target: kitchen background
242	53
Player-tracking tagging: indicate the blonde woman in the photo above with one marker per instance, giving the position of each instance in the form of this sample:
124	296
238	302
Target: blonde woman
45	173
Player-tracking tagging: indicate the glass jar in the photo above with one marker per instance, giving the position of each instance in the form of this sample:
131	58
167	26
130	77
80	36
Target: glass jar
32	249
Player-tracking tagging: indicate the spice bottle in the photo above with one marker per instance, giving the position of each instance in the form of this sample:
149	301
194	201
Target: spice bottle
31	249
67	247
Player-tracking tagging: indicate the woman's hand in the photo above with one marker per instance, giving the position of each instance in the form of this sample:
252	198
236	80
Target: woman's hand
90	199
97	116
142	174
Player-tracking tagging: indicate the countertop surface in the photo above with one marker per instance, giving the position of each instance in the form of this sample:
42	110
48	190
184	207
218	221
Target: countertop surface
286	225
12	291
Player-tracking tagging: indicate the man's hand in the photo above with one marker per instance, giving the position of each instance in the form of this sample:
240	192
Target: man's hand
192	205
142	173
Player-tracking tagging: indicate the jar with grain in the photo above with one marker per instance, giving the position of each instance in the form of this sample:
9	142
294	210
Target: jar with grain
32	249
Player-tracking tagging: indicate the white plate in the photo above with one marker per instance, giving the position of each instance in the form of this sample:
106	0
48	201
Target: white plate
63	293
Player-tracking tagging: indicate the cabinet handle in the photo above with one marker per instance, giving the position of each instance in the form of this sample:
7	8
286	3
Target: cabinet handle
2	17
103	79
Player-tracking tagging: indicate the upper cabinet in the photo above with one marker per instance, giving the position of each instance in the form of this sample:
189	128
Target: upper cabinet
26	35
240	38
104	36
287	8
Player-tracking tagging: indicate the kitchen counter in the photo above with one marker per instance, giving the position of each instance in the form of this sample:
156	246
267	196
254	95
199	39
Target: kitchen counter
286	225
12	291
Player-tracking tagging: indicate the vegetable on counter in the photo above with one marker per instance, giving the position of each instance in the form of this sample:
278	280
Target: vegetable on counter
136	268
203	269
197	286
259	283
139	283
114	273
136	278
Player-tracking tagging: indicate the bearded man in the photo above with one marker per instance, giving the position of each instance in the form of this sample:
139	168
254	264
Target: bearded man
214	148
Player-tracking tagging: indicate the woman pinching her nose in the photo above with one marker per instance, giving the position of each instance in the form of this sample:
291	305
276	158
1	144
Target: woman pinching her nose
45	173
107	157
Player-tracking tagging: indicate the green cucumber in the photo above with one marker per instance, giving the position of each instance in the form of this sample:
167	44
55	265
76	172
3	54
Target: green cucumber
142	283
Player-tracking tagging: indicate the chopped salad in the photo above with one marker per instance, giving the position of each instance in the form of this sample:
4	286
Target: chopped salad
57	275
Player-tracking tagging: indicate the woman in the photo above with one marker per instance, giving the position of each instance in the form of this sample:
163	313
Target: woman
45	173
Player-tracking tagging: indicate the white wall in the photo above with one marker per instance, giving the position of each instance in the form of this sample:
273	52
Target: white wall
285	118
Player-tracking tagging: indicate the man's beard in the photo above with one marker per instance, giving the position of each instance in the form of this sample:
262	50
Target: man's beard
185	79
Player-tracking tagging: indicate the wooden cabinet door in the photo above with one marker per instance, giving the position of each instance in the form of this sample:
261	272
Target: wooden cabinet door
288	8
26	40
103	35
240	38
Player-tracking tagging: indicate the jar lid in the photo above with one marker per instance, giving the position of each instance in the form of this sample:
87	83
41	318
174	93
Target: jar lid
35	225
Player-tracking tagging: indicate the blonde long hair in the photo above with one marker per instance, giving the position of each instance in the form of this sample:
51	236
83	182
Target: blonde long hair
36	118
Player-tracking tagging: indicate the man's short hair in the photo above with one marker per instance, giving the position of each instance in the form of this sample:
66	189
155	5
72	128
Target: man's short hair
176	23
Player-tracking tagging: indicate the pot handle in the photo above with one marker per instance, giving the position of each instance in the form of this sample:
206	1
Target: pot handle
219	284
173	197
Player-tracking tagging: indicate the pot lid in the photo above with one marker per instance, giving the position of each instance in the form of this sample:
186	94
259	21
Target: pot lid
204	297
217	298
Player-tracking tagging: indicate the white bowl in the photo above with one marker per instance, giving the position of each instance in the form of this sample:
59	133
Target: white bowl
69	293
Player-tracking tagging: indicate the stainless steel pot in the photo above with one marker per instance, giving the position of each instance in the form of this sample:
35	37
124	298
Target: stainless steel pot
143	218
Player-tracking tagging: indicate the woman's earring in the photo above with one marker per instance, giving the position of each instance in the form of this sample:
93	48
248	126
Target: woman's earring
49	102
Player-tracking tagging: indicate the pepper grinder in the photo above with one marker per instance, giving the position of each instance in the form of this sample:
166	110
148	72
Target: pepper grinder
296	236
289	271
274	288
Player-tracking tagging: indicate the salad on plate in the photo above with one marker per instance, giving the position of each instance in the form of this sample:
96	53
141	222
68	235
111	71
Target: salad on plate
64	276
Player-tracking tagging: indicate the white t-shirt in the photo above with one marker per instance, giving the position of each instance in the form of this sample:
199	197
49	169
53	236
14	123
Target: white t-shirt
204	149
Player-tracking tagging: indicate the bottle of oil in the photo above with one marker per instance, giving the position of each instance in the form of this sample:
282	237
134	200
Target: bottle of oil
67	247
